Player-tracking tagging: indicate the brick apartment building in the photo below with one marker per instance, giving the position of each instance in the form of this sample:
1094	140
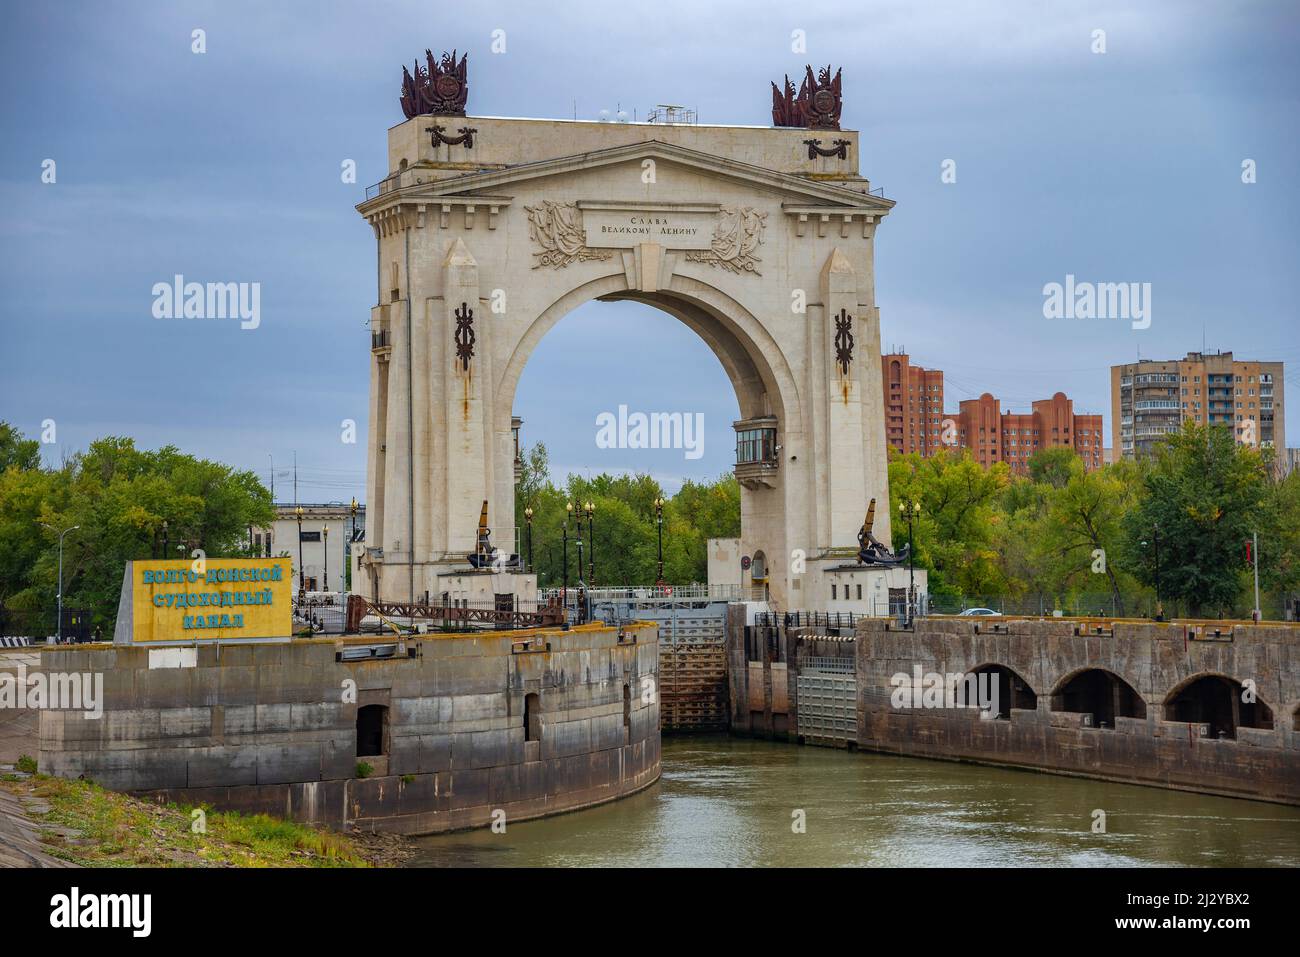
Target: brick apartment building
1150	399
913	405
915	421
996	436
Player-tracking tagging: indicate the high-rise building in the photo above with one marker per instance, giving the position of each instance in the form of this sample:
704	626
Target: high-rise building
913	405
1149	399
994	436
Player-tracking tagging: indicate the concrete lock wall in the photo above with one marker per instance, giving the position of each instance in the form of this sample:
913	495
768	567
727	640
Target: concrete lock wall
266	727
1157	661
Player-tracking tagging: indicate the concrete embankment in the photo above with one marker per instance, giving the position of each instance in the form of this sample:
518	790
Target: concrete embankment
414	736
1200	706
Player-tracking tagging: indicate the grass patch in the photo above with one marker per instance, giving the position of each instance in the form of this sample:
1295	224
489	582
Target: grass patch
26	764
89	825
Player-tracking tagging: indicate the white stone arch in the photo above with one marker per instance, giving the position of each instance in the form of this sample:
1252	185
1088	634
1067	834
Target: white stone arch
759	244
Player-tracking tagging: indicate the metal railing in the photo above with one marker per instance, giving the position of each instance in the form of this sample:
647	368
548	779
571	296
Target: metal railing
694	591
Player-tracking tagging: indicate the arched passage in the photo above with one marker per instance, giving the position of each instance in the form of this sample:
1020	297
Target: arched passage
1005	688
1219	702
1100	693
754	364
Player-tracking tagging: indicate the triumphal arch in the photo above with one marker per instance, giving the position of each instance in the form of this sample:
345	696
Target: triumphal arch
489	230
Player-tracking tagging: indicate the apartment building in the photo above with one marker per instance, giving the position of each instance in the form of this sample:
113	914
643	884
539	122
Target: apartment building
913	405
1152	398
994	436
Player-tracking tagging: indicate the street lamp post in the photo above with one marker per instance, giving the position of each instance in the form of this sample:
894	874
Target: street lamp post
564	591
528	519
591	543
325	542
579	528
302	577
659	524
909	511
59	628
166	541
351	541
1155	540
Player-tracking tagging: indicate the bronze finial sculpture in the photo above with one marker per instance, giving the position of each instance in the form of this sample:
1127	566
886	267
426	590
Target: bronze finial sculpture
817	105
871	550
440	89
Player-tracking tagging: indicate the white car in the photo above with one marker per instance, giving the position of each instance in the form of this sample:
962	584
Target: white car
981	612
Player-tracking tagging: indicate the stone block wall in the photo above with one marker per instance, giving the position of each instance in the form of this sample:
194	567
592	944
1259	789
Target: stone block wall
274	727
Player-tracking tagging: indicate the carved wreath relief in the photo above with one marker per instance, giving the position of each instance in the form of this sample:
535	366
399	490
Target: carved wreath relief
843	341
557	228
738	233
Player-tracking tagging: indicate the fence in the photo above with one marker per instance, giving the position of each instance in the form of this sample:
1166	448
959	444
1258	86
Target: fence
1106	605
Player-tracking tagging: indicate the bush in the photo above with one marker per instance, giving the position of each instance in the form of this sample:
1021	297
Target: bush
364	770
26	764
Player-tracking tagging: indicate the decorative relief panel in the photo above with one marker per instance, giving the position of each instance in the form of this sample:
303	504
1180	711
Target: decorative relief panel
557	228
565	237
738	233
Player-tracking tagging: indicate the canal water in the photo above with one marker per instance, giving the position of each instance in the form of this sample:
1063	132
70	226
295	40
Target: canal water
732	802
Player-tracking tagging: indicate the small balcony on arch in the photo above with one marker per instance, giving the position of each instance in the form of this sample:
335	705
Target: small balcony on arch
757	452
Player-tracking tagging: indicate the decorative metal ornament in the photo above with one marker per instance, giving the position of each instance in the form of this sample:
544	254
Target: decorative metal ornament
843	341
817	105
438	135
440	89
464	335
815	149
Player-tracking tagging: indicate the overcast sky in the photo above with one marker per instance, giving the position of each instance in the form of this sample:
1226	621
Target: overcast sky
225	166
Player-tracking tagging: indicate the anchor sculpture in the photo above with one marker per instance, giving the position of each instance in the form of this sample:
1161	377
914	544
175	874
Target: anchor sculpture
484	555
872	551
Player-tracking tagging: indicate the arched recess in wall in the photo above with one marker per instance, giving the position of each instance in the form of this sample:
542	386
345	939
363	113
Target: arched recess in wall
1217	701
1101	693
1012	691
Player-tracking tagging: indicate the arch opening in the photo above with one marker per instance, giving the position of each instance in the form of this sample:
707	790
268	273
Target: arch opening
1100	693
372	731
1006	688
1217	702
532	717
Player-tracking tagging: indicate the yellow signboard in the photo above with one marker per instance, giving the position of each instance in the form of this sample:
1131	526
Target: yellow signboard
211	599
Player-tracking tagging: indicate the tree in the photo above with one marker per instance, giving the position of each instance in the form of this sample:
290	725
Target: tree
624	524
956	530
1203	495
17	452
119	496
1082	533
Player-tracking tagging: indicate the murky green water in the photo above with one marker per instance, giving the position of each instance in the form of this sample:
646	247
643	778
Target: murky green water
729	802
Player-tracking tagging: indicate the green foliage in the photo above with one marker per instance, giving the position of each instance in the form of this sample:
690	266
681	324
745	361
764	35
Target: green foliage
17	452
955	534
119	497
623	522
1203	496
365	769
26	764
